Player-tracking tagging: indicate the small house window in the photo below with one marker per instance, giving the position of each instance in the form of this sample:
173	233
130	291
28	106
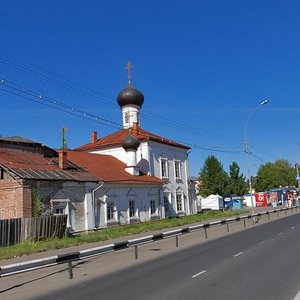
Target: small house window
59	210
152	207
179	199
132	211
110	210
177	169
166	203
164	168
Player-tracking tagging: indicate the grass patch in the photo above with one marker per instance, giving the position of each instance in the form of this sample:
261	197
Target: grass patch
27	247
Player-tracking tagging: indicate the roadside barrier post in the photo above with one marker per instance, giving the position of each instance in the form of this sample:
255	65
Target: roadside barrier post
136	251
227	227
268	216
205	232
244	223
70	266
176	237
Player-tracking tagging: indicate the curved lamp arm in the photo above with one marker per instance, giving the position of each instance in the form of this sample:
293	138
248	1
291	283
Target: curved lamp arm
249	117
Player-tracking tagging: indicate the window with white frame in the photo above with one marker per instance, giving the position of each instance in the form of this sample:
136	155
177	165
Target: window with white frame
132	209
110	210
164	168
179	201
59	207
177	166
166	202
152	207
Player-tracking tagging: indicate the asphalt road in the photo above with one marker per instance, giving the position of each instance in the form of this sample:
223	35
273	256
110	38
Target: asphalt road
259	263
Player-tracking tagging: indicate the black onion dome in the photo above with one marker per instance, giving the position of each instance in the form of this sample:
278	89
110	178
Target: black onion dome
130	95
130	143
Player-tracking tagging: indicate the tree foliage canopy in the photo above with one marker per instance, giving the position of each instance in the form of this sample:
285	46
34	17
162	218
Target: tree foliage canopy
237	182
274	175
213	179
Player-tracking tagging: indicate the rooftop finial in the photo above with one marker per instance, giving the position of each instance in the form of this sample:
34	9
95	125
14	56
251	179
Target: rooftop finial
129	67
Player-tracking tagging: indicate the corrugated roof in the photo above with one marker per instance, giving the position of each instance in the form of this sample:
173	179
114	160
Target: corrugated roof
116	139
31	165
81	166
18	139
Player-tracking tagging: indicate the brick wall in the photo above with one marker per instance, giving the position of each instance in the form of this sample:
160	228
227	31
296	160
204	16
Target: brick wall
15	200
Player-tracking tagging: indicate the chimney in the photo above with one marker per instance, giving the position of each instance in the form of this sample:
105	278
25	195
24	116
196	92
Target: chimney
94	137
62	159
135	129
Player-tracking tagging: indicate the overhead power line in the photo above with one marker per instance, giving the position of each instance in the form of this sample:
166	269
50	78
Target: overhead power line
63	82
18	90
263	151
21	91
53	74
74	87
57	83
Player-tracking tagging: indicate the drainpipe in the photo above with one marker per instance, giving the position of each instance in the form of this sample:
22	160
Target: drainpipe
101	183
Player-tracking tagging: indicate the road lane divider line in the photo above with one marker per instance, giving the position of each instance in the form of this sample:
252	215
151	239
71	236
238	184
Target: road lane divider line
262	242
280	233
200	273
293	227
238	254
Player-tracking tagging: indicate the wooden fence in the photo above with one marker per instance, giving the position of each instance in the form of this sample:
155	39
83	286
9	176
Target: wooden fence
14	231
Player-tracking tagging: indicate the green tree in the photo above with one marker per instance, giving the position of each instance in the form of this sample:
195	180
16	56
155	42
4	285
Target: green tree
212	177
273	175
36	201
237	182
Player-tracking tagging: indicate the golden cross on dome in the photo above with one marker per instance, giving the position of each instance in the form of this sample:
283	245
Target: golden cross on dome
129	67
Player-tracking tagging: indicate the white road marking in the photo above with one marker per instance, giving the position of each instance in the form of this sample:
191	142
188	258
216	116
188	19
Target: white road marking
200	273
293	227
238	254
280	233
262	242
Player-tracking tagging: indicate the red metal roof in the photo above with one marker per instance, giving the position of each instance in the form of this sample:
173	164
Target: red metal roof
81	166
109	168
32	165
116	139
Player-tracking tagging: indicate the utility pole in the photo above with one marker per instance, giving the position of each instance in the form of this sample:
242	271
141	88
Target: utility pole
247	151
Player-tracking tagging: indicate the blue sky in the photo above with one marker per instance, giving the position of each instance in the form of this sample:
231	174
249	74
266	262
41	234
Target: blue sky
202	66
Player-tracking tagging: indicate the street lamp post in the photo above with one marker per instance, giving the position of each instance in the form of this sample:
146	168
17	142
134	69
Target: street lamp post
247	150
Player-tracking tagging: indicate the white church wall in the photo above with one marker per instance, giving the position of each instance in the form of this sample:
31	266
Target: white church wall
172	184
121	196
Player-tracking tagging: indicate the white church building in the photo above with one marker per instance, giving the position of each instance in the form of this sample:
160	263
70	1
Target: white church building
149	154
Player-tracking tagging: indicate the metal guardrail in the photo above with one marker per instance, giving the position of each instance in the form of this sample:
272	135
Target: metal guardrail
31	265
